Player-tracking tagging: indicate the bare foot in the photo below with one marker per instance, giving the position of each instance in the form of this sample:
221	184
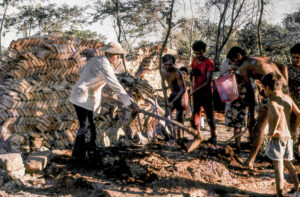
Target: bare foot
248	164
195	144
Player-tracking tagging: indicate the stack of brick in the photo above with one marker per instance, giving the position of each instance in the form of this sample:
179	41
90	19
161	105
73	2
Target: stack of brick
148	67
35	82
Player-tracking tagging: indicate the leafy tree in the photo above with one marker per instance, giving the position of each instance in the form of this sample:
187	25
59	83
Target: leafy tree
85	34
43	18
133	20
232	15
292	23
202	30
5	5
276	42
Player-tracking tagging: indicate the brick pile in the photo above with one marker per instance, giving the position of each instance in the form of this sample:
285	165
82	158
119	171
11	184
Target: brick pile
36	80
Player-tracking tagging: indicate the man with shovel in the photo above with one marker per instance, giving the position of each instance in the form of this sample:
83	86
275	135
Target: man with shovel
86	96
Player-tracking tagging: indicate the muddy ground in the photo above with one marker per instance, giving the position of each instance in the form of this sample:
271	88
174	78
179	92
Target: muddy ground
155	170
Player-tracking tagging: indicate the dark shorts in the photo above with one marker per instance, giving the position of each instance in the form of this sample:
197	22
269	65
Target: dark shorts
204	99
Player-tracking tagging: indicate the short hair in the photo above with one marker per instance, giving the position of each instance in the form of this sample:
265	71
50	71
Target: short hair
184	69
295	49
272	80
233	52
167	57
198	45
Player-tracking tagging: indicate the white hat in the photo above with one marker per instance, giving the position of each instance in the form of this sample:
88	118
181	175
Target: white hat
114	48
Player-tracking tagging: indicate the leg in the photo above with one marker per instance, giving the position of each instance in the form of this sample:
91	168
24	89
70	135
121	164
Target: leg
279	178
180	132
237	139
179	118
196	122
79	150
298	145
209	111
196	113
259	135
290	167
91	144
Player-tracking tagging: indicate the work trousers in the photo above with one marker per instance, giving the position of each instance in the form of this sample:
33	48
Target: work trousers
85	141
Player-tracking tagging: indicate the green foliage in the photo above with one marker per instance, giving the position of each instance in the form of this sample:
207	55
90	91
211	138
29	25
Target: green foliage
132	19
44	18
276	41
85	34
182	36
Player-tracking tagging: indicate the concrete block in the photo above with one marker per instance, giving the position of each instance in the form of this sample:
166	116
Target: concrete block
38	161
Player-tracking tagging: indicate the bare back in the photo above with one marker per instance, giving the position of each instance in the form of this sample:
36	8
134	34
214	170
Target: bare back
279	115
257	67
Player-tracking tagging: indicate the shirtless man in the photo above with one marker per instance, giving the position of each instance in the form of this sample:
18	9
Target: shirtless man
256	68
176	83
280	146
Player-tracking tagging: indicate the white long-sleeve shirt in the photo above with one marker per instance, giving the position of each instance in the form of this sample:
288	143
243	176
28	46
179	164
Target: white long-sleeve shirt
94	76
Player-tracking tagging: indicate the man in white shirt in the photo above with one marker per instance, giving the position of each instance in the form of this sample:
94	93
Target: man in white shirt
86	96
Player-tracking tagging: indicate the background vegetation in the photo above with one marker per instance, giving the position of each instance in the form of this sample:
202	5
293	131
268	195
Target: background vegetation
136	23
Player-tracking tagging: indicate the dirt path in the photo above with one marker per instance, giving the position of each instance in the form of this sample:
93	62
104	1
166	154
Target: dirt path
157	170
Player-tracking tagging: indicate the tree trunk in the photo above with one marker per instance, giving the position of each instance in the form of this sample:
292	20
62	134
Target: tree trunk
119	30
191	33
226	37
2	23
160	59
222	17
259	26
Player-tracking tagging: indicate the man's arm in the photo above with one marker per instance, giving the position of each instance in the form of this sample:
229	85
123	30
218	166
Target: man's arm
209	78
181	85
273	119
296	111
115	85
244	72
284	71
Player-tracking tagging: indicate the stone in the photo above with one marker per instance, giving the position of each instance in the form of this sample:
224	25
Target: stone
17	139
38	161
59	153
11	161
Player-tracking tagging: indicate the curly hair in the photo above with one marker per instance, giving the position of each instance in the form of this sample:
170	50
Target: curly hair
233	52
166	57
272	80
198	45
295	49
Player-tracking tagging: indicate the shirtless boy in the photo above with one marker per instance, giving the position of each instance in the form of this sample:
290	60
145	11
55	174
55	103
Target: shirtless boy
256	68
280	146
176	83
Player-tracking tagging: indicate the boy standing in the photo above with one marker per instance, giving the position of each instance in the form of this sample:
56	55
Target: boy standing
176	83
202	72
280	145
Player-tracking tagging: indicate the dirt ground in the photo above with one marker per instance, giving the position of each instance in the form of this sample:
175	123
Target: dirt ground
156	170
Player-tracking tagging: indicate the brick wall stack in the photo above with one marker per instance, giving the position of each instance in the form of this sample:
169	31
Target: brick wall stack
35	83
36	80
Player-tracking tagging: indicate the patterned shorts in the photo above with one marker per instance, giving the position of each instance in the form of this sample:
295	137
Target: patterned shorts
279	149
